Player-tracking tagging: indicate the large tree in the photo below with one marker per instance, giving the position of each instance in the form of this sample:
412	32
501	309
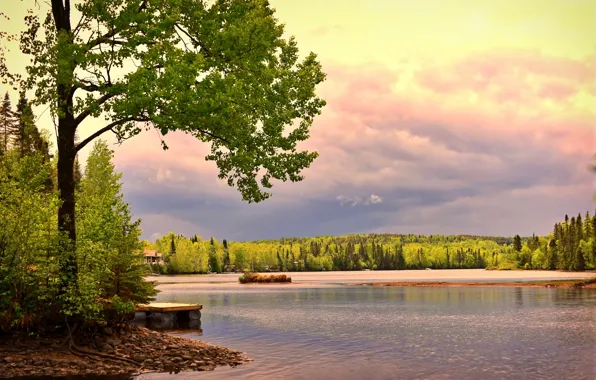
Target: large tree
218	70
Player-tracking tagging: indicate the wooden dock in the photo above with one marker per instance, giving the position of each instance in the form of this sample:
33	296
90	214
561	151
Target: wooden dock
168	311
166	307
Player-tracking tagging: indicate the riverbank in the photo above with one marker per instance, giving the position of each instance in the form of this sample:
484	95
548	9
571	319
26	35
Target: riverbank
225	281
578	284
124	350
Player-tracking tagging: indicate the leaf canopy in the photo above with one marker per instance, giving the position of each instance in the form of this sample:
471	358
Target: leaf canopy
221	71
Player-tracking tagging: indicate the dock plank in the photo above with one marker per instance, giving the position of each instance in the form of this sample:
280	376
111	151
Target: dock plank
165	307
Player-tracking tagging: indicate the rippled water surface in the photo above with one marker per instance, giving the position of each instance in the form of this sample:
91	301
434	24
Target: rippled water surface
399	333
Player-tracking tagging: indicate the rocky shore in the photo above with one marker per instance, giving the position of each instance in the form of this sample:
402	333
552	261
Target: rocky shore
121	350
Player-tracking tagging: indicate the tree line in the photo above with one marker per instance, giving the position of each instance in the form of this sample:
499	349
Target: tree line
565	248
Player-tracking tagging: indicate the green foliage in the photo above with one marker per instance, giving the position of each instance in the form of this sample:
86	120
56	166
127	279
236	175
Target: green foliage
221	71
28	242
122	306
106	227
111	268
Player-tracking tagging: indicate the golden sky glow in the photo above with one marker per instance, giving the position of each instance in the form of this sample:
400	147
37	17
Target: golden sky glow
442	109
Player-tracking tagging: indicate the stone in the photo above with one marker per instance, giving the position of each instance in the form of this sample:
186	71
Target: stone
107	348
113	342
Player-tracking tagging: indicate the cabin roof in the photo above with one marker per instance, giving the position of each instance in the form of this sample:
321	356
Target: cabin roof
151	253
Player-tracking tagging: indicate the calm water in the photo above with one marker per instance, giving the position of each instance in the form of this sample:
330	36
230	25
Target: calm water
398	333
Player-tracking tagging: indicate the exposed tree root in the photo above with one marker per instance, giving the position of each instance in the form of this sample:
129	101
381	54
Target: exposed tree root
80	351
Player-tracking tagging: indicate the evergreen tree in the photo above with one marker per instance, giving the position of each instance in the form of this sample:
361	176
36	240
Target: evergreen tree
214	263
588	226
22	137
109	249
26	137
172	246
580	262
78	175
517	245
226	258
280	262
579	228
401	260
8	123
552	254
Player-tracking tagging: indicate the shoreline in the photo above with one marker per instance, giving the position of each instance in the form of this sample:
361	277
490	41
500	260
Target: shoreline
120	352
565	284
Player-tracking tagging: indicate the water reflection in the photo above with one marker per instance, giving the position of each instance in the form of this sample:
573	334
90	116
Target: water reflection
387	333
192	327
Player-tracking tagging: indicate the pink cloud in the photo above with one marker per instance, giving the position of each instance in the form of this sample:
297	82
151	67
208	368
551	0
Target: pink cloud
374	137
511	69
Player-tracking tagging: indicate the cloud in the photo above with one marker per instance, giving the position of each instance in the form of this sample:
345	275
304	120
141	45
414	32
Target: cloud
326	30
494	143
371	199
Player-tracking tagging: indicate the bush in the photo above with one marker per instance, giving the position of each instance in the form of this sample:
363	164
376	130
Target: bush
250	277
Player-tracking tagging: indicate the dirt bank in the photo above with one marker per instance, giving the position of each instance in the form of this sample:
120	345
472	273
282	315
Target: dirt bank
588	284
122	350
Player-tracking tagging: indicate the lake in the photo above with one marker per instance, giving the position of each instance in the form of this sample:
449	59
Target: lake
352	332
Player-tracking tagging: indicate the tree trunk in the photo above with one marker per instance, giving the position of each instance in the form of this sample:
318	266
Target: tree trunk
66	188
66	146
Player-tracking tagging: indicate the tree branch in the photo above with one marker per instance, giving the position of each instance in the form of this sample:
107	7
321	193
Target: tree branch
206	52
103	130
83	115
106	37
89	86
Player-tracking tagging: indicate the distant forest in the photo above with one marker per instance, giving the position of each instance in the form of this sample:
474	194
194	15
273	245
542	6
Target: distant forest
570	246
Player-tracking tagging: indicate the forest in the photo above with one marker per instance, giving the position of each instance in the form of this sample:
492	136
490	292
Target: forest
570	246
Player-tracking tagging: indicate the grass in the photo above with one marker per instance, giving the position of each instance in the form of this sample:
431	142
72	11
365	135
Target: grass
250	277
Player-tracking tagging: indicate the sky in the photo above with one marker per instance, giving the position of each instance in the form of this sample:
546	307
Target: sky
442	117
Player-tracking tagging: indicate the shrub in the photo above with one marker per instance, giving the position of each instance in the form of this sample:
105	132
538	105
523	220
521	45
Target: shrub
250	277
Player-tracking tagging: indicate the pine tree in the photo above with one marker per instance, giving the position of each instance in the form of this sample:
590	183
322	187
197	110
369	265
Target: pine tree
580	261
172	246
214	263
26	137
78	175
579	229
280	263
8	123
552	254
588	226
22	137
226	258
517	245
109	245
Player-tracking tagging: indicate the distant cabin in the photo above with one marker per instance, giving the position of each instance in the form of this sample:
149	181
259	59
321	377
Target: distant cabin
152	257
